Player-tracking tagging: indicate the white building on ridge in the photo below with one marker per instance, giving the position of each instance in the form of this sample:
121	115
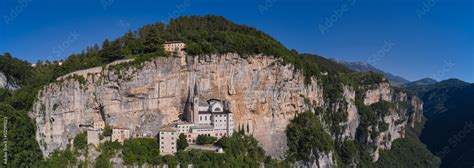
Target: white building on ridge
174	46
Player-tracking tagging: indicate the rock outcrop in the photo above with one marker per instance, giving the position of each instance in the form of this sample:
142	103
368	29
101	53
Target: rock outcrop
381	92
353	117
406	110
325	160
6	84
3	80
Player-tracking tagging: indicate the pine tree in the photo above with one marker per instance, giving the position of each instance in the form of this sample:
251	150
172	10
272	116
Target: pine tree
112	51
130	44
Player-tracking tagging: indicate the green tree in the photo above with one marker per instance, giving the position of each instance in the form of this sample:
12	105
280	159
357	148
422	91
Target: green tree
23	150
182	142
112	51
205	139
66	158
140	150
130	43
16	71
152	39
306	135
107	151
107	131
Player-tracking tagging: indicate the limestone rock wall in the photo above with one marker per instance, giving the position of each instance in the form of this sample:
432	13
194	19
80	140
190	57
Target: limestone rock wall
264	96
406	112
353	117
380	92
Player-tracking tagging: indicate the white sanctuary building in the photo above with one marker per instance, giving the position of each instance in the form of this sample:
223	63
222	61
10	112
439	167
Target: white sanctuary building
210	117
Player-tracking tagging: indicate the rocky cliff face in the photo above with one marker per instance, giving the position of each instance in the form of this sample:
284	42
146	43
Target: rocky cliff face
3	80
407	110
264	96
6	84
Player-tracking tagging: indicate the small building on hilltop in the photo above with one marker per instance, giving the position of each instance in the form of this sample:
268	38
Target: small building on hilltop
177	49
174	46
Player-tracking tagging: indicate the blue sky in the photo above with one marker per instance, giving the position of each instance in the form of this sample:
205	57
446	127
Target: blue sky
410	38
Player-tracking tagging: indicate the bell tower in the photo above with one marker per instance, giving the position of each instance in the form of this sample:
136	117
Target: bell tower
195	111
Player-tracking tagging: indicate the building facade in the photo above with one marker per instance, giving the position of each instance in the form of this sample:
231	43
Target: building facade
99	125
94	132
210	117
168	139
174	46
93	137
120	134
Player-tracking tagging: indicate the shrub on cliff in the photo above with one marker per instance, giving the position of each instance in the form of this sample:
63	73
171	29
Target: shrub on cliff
107	131
80	141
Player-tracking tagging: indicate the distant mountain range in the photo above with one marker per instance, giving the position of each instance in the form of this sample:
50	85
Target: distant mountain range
365	67
421	82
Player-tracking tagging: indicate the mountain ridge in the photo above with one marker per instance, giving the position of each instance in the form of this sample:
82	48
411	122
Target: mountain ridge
422	82
366	67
